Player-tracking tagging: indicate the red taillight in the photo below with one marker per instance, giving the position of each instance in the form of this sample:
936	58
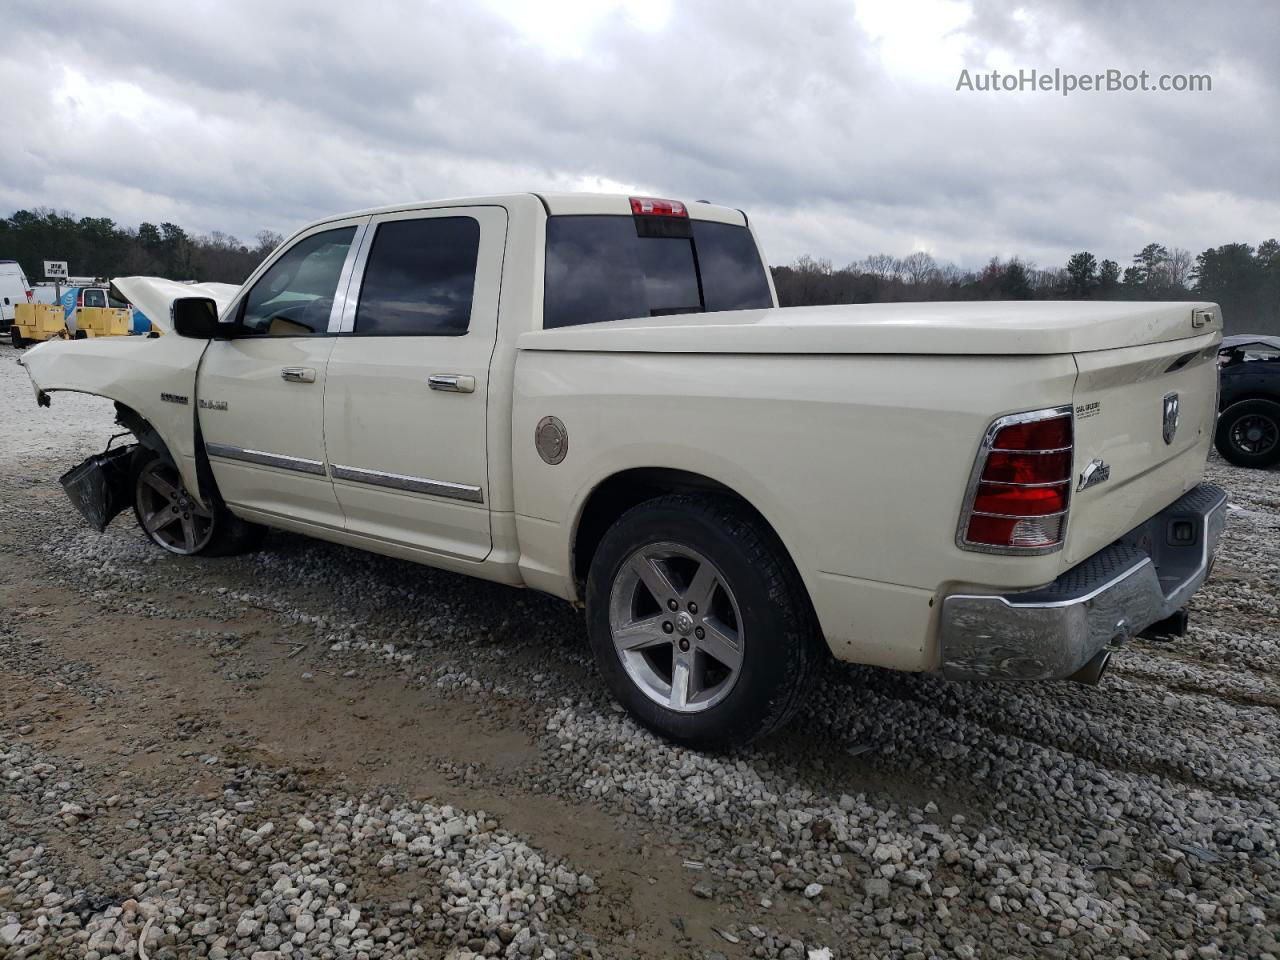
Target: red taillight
80	299
653	207
1027	467
29	296
1036	435
1021	488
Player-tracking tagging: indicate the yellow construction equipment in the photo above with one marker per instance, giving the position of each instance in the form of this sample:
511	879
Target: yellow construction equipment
103	322
33	322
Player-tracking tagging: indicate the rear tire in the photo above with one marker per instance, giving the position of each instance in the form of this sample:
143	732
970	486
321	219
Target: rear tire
16	338
174	521
699	621
1248	433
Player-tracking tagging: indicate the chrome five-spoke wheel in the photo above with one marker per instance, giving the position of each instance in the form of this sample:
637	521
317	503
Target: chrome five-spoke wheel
677	627
168	514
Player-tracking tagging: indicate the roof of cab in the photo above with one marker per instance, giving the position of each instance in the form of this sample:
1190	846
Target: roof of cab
556	204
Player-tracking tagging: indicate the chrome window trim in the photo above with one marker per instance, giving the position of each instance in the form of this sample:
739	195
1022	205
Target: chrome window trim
351	299
262	458
338	311
396	481
975	477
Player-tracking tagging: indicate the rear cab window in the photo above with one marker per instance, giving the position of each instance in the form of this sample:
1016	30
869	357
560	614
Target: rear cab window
607	267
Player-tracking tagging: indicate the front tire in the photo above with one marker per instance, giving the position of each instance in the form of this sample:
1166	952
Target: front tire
175	521
1248	433
699	622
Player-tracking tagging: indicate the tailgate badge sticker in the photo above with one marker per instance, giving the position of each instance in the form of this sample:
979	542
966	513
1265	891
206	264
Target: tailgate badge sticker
1170	417
1098	471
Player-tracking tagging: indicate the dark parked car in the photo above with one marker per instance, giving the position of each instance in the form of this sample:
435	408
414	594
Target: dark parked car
1249	409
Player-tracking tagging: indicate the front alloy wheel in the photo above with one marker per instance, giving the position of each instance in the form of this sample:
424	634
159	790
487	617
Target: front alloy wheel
169	515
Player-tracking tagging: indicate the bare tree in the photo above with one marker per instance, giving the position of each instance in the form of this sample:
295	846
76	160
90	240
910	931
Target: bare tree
880	265
918	267
1180	266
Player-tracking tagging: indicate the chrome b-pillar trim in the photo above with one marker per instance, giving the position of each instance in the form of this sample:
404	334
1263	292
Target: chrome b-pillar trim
263	459
436	488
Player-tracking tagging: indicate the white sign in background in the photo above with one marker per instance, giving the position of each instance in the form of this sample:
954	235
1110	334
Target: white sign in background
55	269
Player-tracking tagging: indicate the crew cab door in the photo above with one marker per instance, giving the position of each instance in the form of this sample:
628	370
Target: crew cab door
260	394
405	406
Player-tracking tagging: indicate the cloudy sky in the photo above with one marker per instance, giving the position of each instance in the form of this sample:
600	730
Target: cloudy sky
837	125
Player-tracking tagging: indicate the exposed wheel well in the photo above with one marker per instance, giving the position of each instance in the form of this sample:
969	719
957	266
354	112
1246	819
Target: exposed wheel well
619	493
150	438
138	425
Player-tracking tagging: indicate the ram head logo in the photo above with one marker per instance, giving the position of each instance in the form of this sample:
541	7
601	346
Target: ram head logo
1170	417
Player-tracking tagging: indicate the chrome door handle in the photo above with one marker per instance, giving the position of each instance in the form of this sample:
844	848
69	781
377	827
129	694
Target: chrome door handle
298	374
452	383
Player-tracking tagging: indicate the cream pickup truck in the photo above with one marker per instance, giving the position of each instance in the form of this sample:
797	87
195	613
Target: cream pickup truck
598	397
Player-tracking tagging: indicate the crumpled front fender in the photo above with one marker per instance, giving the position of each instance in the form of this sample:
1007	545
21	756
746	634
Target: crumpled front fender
153	377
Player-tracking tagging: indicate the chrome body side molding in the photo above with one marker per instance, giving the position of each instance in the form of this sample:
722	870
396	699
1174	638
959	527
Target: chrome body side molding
264	459
436	488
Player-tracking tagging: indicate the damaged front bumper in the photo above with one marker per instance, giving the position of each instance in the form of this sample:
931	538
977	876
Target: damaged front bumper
1061	629
100	487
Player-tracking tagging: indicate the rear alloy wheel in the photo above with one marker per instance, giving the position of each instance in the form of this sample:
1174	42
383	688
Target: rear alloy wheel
173	519
676	627
1248	433
699	622
169	515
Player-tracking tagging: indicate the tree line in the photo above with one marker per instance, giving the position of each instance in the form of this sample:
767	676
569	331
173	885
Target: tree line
99	247
1243	279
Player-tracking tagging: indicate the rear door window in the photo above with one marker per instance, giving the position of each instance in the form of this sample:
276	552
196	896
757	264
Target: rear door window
95	298
420	278
600	268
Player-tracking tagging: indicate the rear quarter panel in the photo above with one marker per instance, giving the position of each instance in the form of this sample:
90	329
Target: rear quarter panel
858	462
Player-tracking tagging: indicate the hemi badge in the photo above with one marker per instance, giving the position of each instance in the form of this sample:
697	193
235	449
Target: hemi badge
1098	471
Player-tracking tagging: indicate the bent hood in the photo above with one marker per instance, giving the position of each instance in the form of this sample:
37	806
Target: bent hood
981	327
154	296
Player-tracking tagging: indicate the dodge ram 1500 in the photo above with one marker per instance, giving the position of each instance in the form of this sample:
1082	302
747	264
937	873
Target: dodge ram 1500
598	397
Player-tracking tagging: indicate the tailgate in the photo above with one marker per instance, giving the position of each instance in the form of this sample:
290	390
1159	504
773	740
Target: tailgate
1147	413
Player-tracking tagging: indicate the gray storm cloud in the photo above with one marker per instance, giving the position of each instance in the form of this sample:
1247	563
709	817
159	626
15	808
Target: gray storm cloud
837	125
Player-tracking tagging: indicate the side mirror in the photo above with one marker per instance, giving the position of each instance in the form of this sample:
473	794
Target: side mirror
195	317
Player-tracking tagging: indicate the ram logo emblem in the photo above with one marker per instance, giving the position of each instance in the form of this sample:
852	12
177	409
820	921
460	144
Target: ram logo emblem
1095	473
1170	417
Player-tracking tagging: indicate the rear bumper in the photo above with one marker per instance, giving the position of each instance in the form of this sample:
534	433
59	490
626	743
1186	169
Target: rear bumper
1048	633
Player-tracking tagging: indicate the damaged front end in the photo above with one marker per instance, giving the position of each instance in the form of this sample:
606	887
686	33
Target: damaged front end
100	488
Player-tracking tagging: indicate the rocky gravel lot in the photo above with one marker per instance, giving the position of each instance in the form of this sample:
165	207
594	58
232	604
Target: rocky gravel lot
312	752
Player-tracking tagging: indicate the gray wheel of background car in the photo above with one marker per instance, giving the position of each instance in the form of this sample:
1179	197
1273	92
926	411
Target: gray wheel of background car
699	621
173	519
1248	433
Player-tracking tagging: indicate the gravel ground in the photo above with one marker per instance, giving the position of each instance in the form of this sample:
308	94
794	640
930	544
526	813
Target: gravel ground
314	752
